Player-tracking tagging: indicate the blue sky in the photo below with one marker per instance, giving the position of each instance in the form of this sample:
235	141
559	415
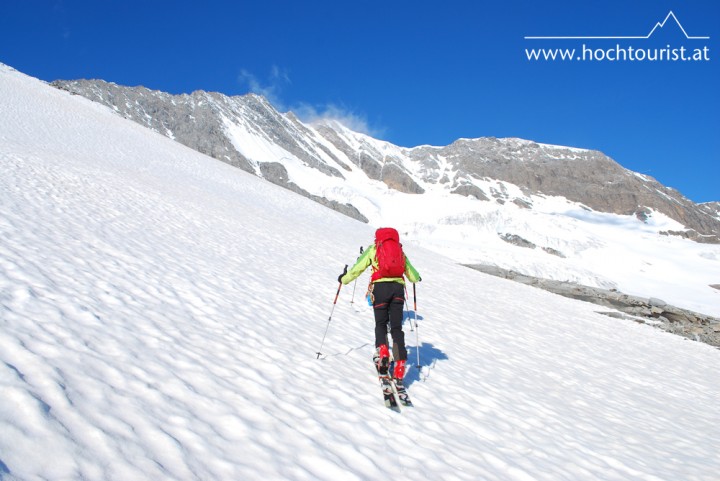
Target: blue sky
413	72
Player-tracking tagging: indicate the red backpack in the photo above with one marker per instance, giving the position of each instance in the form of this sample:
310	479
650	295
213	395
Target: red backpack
389	254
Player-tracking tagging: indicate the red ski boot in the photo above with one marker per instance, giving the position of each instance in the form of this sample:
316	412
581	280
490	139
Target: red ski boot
399	372
382	358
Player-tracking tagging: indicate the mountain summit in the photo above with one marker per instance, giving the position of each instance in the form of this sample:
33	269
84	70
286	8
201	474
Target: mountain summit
555	212
247	132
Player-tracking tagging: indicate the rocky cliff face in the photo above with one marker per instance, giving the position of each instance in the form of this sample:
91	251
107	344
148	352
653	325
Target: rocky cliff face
247	132
192	120
711	208
202	121
588	177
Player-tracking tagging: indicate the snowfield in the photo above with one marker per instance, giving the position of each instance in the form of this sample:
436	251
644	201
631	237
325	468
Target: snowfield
572	243
161	312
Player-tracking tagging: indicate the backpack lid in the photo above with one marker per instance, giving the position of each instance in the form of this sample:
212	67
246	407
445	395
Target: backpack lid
390	260
385	233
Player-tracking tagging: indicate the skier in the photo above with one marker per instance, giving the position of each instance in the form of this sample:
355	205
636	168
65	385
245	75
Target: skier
387	293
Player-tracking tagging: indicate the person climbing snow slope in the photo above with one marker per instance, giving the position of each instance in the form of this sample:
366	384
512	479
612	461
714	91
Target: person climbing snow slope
387	293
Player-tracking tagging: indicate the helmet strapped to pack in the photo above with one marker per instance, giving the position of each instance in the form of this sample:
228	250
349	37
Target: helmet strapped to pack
389	254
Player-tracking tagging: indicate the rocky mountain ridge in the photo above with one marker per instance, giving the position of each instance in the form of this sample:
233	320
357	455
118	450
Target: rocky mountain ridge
247	132
652	311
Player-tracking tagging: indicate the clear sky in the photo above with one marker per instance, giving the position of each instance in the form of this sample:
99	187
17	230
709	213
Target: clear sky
416	72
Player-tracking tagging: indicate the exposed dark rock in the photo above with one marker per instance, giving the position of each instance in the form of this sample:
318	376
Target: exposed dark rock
652	311
397	179
516	240
470	190
522	203
643	214
692	235
554	252
277	174
274	172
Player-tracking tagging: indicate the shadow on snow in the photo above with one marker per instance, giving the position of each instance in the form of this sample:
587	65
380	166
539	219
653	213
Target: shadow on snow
429	355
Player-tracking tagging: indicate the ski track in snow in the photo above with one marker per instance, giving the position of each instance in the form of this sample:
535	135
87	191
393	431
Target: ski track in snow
161	314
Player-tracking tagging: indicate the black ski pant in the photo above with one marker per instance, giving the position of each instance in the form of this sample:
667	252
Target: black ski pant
388	301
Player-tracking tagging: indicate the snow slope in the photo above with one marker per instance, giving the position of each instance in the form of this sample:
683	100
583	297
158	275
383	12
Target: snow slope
433	194
597	249
161	313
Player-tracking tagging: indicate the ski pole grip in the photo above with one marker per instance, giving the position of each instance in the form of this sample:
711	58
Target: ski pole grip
344	271
337	294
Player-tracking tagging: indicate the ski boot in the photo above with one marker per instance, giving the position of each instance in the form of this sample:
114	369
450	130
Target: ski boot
398	375
382	359
399	371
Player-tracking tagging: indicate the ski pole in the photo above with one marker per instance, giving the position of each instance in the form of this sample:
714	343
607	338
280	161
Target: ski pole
337	294
407	309
352	300
417	334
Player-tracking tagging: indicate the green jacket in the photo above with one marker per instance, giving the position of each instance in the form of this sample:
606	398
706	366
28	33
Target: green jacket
368	258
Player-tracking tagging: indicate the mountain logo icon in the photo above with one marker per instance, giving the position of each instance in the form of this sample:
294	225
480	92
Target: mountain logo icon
658	26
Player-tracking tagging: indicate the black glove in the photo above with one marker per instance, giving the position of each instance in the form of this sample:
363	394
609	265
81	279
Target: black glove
341	275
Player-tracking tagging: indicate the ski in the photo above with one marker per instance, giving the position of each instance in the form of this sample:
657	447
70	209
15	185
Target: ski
401	393
388	390
389	396
398	386
394	391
